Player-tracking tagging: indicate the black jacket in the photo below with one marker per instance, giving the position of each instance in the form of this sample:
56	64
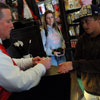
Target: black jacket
87	61
32	5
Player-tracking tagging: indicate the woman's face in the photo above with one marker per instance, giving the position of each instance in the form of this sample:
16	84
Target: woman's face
50	19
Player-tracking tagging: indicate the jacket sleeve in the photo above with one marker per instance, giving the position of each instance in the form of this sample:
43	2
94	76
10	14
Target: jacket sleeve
24	63
89	66
85	65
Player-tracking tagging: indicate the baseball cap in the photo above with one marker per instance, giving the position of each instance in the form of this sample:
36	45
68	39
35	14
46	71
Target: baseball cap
87	10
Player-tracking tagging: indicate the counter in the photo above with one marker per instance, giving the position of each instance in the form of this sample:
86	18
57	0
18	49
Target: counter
53	86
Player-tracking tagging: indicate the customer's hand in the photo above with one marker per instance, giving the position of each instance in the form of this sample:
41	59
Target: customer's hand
65	67
46	62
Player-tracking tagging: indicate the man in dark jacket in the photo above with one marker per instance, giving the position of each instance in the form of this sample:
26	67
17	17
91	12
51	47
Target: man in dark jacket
87	56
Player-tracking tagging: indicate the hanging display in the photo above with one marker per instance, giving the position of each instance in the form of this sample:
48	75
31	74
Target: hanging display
41	8
49	6
55	4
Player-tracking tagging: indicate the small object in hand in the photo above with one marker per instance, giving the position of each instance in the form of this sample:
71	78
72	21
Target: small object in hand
59	50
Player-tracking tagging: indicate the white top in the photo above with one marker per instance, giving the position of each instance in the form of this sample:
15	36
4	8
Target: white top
54	40
16	78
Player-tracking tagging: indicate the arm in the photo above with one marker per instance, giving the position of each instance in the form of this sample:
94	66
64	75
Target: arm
43	36
24	63
14	80
90	66
80	63
48	50
62	39
85	65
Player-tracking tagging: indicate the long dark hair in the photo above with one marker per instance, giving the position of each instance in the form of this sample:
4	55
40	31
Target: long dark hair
44	25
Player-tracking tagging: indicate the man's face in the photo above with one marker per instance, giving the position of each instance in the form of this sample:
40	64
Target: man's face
5	24
91	26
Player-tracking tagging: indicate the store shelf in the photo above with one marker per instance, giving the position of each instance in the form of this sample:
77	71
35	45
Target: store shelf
73	10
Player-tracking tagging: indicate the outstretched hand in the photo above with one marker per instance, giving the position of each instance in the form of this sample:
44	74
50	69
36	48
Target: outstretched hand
65	67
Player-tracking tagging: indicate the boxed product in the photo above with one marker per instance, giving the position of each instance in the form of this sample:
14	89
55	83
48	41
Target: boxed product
72	4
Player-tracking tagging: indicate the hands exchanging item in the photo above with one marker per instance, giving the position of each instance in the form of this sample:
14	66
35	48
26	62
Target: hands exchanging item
65	67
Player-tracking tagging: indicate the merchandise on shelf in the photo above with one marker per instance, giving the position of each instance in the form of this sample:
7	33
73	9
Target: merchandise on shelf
71	31
55	4
73	43
41	7
49	6
72	16
85	2
72	4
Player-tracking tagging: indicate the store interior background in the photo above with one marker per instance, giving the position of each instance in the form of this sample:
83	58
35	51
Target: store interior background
26	30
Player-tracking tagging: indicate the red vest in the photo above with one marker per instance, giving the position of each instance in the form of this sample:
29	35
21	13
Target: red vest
4	95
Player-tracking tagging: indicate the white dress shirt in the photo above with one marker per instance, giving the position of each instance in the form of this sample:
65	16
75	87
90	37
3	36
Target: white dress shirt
16	78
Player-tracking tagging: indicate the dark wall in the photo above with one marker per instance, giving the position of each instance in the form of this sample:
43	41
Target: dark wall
26	34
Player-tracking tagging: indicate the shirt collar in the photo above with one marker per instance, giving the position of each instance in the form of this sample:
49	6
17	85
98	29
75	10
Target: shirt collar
49	26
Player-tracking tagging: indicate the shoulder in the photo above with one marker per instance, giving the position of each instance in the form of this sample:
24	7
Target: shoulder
42	30
83	38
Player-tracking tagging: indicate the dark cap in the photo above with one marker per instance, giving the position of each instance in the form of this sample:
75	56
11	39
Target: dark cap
88	10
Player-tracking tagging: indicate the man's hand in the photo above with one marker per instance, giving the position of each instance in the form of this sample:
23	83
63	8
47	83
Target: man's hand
35	60
46	62
65	67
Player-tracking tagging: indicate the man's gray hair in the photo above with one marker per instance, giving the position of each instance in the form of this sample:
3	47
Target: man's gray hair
3	6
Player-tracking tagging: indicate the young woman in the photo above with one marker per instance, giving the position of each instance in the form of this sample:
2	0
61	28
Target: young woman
52	38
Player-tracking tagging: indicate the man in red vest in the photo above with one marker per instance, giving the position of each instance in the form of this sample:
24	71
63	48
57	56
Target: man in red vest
17	75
